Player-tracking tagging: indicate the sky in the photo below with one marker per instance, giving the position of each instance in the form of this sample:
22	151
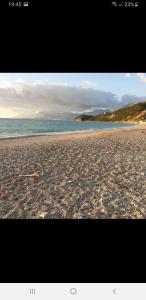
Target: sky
61	95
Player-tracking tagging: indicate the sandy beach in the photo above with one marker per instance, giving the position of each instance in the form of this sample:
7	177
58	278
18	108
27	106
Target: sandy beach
99	174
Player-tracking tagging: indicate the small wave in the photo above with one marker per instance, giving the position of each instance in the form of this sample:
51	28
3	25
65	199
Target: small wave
5	136
47	133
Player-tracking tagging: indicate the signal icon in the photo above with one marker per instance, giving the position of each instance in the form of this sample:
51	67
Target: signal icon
32	291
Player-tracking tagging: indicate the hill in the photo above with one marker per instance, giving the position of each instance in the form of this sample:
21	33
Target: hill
83	118
132	113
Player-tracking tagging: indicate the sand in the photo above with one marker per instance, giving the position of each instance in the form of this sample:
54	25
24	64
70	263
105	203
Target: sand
99	174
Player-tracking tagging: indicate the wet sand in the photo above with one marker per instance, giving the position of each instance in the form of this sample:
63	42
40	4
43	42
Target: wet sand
99	174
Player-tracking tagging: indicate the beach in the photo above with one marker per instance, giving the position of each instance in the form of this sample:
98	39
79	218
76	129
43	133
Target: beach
99	174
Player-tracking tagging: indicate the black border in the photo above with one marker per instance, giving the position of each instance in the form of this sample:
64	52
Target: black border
72	251
63	37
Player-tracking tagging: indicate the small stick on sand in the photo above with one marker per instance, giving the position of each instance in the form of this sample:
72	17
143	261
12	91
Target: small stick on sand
34	174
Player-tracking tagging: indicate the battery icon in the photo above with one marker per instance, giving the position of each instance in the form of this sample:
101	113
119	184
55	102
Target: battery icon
25	3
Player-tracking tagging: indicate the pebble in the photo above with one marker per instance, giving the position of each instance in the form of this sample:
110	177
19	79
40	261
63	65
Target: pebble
97	177
43	214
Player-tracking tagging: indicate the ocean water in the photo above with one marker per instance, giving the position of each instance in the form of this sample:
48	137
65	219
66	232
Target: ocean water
26	127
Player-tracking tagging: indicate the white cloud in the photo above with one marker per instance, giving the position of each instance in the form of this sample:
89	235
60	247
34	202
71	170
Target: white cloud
36	98
61	84
29	98
141	76
20	80
128	75
88	84
5	84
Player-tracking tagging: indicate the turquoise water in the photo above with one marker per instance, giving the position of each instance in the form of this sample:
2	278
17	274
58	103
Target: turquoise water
24	127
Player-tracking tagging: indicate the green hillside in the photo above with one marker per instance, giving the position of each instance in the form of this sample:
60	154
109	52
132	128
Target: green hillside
83	118
131	113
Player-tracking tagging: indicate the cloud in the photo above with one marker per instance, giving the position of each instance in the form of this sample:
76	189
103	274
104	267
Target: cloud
128	75
129	98
141	76
88	84
25	98
39	99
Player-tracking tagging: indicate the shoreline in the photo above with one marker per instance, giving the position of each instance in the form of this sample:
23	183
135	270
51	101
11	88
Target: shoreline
78	133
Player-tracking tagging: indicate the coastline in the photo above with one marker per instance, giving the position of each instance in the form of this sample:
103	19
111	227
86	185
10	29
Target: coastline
70	135
131	124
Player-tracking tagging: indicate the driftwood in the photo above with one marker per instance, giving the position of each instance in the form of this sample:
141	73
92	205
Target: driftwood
30	175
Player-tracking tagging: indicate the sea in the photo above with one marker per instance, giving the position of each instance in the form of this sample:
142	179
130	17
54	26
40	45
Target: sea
29	127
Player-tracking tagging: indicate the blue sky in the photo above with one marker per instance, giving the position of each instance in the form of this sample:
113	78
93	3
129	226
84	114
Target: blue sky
36	95
113	82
